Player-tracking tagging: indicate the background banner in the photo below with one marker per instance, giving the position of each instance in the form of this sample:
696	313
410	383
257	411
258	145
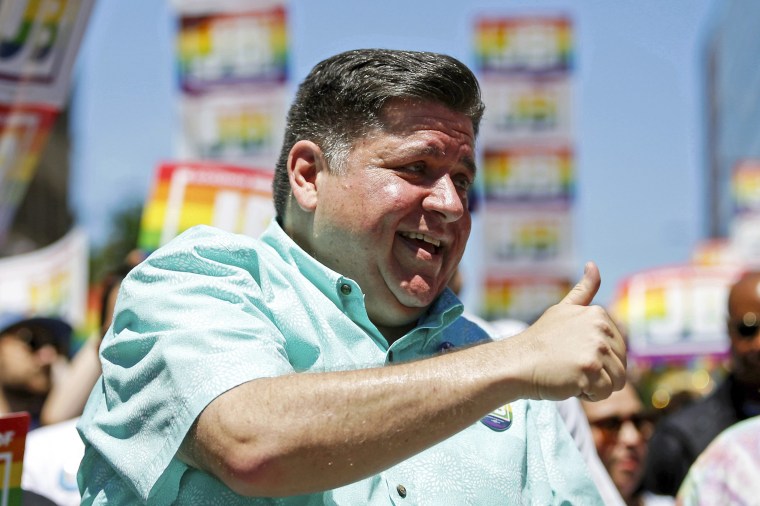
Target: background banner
184	194
244	128
224	47
13	430
39	40
23	133
48	282
676	312
523	44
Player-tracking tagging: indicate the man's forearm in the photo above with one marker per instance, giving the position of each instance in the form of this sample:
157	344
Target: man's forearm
315	431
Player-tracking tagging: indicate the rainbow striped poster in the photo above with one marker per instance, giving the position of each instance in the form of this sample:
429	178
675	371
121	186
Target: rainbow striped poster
521	297
527	110
24	130
529	173
39	44
528	239
234	198
676	311
745	186
232	47
517	44
13	429
48	281
243	128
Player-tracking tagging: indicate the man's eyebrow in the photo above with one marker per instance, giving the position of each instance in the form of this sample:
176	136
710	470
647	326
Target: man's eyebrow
469	162
436	152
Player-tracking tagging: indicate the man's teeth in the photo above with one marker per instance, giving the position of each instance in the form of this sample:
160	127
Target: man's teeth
422	237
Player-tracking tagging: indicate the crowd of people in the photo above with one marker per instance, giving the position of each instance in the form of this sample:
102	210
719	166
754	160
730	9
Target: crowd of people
329	361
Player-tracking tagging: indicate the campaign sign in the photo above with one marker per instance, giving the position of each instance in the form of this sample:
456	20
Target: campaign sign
23	133
238	127
745	186
522	297
529	238
48	281
234	198
39	40
13	429
676	312
520	110
232	48
523	44
529	173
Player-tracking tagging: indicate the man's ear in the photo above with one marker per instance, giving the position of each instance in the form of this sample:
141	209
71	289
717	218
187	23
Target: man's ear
305	162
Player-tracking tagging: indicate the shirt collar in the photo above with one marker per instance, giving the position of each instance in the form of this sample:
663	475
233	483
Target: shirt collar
444	310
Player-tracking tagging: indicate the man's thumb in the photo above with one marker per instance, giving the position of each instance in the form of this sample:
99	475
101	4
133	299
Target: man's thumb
584	291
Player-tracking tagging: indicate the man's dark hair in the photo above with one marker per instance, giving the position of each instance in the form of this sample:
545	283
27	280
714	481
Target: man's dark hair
342	99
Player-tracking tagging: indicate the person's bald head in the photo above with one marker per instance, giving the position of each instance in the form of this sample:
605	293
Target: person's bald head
744	327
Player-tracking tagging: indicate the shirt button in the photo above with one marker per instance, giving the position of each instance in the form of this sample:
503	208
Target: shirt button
345	289
446	346
401	491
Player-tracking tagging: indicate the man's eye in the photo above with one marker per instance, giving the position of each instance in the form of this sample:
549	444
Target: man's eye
463	183
414	168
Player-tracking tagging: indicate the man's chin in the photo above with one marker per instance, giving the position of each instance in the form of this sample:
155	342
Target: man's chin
416	301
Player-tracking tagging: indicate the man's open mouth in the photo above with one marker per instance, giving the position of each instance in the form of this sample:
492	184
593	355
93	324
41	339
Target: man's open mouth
429	244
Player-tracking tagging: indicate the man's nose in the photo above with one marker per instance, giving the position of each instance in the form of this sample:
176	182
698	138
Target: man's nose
444	199
46	354
629	433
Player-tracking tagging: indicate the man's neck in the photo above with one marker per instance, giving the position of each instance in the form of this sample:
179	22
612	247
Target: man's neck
392	334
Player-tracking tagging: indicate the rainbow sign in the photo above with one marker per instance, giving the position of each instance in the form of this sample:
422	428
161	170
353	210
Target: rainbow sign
536	238
13	429
38	44
227	48
528	173
521	297
233	198
48	281
238	126
527	110
23	133
745	186
676	312
523	44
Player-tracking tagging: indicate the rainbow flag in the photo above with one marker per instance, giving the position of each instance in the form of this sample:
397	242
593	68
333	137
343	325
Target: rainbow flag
13	429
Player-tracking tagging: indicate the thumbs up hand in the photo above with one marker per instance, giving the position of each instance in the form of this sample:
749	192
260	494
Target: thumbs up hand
574	348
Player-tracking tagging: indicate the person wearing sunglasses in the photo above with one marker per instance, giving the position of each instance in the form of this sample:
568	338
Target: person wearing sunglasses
29	347
621	429
681	436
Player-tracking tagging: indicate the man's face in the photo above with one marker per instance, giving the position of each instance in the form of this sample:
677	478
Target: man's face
744	330
621	436
396	220
23	367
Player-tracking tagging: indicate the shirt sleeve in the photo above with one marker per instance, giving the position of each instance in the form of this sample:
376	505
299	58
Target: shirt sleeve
190	324
726	472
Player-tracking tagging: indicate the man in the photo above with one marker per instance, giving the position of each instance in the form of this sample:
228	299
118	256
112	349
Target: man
29	348
315	363
621	431
681	436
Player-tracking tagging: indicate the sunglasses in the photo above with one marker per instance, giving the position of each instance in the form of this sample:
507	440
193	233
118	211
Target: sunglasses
34	336
748	326
611	425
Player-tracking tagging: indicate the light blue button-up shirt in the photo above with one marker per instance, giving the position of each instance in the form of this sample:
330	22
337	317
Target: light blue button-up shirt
212	310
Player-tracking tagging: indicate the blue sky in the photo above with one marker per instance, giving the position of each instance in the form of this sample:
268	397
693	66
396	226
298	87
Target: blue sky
637	108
